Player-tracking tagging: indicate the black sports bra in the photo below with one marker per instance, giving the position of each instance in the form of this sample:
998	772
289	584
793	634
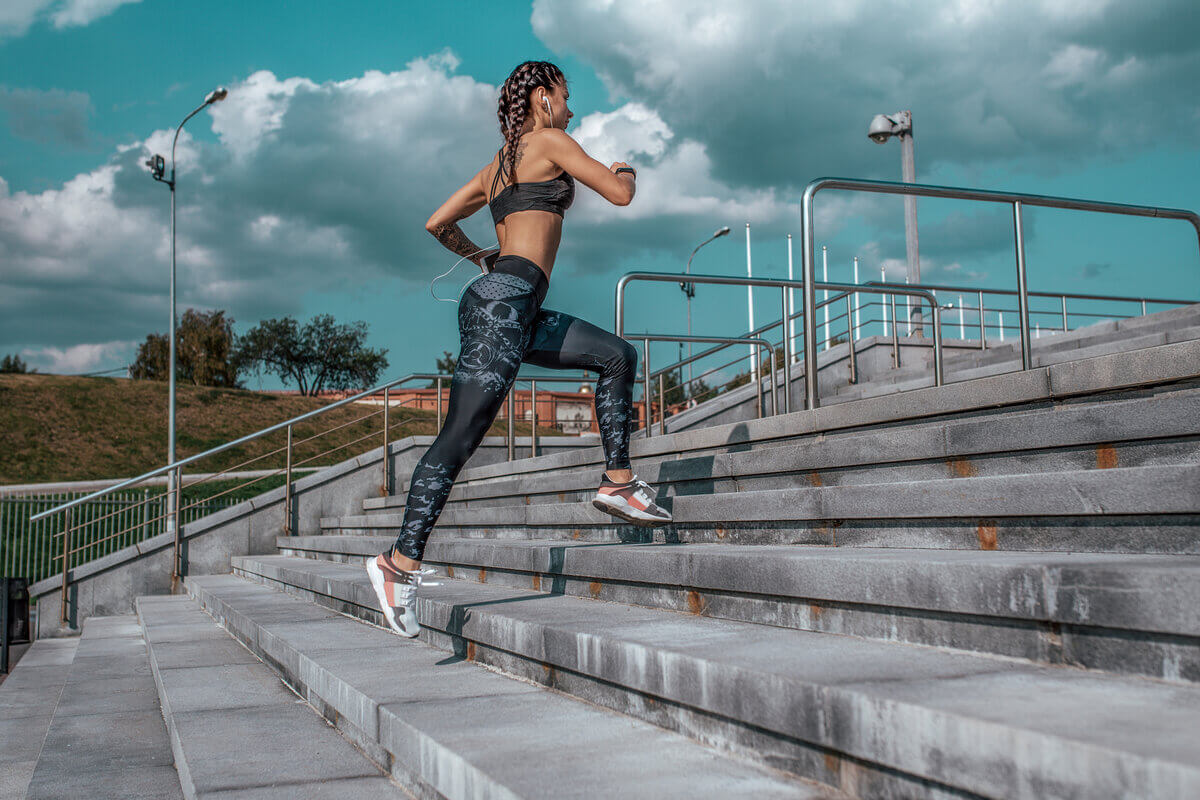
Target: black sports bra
555	195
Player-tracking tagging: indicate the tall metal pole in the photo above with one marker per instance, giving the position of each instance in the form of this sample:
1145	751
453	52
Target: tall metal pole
909	170
857	306
171	366
754	366
791	303
825	296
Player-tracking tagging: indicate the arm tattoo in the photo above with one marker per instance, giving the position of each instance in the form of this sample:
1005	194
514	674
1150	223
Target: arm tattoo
455	240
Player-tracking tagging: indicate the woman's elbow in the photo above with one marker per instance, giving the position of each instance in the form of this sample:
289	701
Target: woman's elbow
622	198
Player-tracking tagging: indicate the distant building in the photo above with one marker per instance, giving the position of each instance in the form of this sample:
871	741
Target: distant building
572	413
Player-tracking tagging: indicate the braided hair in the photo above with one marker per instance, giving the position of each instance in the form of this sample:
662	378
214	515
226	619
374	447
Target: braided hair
515	98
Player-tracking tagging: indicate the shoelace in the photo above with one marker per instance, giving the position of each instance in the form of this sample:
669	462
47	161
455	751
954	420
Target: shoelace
405	591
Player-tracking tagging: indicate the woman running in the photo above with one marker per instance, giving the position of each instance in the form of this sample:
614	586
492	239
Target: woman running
528	187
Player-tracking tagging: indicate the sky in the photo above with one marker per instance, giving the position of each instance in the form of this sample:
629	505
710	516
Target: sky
346	125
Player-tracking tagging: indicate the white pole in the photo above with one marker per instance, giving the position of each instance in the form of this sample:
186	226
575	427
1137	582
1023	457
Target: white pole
857	317
1001	313
1037	326
908	311
883	279
825	277
750	305
962	331
791	305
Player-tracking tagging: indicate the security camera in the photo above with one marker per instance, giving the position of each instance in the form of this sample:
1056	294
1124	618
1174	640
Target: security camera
881	129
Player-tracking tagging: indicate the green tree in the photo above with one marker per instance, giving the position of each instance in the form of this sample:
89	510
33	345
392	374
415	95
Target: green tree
14	365
445	366
205	352
320	355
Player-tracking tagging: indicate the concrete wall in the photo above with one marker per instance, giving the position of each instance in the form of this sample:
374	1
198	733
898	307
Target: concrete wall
108	586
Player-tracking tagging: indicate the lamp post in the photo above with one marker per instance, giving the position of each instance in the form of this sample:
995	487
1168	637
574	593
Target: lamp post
689	291
883	127
157	167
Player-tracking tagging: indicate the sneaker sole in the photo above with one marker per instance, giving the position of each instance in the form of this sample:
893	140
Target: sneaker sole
375	575
641	522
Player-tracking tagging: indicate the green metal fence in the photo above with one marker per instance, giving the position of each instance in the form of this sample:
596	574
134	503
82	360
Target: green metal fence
115	521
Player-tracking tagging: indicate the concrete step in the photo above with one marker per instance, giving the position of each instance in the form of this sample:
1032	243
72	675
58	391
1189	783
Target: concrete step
1140	431
450	729
917	371
28	698
922	377
898	720
1089	380
1153	509
234	727
1129	614
106	737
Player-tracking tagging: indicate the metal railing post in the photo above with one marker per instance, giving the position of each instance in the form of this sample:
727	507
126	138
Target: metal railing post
982	329
938	378
1064	313
1022	292
787	350
533	439
895	335
810	297
66	568
439	405
176	572
646	383
1143	308
287	488
662	406
850	342
512	410
387	462
774	383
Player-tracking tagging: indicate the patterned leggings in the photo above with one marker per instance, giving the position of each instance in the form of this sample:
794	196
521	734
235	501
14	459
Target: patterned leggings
502	323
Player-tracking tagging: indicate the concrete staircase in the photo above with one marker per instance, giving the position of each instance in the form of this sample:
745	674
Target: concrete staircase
986	589
963	360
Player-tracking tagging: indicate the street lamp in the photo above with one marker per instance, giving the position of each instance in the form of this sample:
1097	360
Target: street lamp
157	165
883	127
689	291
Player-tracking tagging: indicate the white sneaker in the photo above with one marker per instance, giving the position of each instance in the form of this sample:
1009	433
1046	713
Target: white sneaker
396	590
632	502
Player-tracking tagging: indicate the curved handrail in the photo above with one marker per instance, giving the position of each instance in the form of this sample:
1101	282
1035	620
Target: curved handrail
810	336
183	462
1016	199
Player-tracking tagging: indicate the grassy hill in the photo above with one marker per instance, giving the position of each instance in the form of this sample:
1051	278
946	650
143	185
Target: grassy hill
59	428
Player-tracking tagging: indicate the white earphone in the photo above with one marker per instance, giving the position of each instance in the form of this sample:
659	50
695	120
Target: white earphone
546	100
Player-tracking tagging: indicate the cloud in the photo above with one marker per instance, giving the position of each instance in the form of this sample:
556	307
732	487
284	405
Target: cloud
781	92
74	13
80	358
322	187
16	16
47	117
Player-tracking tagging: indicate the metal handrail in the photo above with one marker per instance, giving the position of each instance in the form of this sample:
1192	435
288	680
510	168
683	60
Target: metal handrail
647	338
183	462
1015	199
810	314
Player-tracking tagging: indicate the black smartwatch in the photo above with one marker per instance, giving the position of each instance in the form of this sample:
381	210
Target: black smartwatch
630	170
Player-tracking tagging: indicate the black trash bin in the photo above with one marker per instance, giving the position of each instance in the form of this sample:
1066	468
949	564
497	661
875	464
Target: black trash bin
14	615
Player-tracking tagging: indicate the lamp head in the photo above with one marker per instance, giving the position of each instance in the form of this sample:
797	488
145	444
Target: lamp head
157	165
721	232
216	95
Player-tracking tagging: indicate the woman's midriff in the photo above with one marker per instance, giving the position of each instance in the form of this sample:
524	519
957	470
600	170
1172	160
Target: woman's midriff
534	235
